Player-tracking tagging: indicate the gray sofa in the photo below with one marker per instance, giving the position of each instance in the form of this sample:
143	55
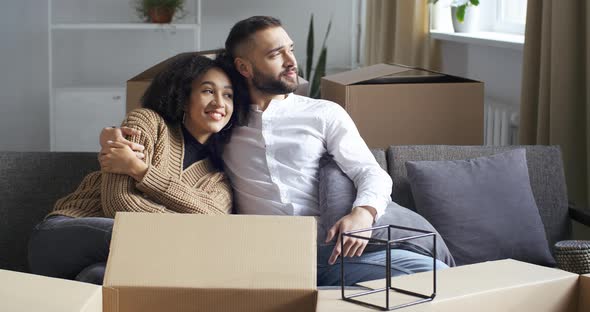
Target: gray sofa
31	182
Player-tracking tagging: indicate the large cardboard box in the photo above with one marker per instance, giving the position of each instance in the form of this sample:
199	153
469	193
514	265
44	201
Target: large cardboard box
395	104
180	262
505	285
28	292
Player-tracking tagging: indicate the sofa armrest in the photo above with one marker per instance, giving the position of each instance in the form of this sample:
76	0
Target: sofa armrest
580	215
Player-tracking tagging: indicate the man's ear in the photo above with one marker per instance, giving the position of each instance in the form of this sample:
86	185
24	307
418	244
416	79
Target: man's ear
244	67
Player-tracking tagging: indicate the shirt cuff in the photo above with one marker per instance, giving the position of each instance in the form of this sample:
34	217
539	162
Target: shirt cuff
379	204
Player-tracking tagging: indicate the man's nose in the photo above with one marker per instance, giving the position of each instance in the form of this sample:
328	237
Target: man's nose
290	59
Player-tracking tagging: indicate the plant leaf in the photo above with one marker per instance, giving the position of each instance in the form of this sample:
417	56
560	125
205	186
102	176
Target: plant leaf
461	12
474	2
320	71
310	40
327	33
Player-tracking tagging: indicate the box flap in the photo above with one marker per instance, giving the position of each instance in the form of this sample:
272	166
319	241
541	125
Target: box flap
198	251
505	285
365	73
29	292
151	72
481	277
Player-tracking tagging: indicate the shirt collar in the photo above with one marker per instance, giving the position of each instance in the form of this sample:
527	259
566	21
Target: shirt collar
288	100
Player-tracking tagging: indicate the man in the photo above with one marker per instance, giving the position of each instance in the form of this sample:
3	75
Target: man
273	161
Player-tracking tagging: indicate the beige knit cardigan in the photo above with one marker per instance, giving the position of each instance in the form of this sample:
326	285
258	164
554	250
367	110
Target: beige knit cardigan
165	188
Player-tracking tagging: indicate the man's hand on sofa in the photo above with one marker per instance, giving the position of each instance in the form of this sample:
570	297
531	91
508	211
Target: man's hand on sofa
118	135
358	218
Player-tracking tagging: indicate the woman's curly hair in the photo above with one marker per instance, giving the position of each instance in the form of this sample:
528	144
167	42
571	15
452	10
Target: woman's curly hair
170	92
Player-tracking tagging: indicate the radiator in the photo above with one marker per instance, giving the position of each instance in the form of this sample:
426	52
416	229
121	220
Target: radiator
501	124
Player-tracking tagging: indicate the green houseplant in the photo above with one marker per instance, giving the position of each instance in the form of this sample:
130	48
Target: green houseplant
460	7
158	11
320	67
464	14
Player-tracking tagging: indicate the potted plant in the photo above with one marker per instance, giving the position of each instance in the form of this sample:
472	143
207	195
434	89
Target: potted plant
464	13
158	11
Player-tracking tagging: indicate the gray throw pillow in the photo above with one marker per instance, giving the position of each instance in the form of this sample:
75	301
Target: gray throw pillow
484	207
337	194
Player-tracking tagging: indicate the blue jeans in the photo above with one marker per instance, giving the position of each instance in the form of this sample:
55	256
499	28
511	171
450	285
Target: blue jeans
370	266
71	248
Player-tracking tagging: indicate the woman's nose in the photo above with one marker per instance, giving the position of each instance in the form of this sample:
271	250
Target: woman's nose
218	100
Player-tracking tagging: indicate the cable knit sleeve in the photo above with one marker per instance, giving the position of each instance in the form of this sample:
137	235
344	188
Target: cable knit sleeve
118	191
212	193
199	189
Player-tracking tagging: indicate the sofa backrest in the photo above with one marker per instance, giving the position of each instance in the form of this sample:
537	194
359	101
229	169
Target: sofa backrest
545	171
380	157
30	183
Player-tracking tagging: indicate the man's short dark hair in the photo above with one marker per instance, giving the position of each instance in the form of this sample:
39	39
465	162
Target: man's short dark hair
244	29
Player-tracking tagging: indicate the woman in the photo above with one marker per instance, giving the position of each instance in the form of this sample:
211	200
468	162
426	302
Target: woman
187	116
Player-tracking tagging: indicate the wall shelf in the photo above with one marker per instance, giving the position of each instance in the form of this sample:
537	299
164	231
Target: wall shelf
94	48
119	26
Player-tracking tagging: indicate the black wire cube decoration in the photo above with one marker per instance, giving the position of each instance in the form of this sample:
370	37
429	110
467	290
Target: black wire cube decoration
389	243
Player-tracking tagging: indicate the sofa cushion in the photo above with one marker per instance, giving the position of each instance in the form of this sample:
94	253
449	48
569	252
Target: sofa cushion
545	171
337	194
484	207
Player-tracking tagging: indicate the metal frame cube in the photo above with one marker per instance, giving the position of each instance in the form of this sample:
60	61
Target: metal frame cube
389	244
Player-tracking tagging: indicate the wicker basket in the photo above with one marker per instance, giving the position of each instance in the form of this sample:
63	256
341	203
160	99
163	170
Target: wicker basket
573	256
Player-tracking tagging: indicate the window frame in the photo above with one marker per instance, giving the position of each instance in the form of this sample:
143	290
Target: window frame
507	25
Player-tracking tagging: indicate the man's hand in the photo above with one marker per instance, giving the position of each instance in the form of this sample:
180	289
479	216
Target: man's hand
118	135
359	218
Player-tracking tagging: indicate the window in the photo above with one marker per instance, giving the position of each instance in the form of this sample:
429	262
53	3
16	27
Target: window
510	16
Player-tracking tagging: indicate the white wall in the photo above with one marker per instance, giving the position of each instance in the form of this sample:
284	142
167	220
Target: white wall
24	91
220	15
499	68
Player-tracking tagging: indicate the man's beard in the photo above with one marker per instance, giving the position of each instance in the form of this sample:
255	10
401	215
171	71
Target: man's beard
272	85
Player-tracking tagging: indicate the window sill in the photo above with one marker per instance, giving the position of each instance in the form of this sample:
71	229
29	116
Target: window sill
491	39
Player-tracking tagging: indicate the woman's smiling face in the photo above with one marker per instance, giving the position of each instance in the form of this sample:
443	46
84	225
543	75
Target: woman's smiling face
211	104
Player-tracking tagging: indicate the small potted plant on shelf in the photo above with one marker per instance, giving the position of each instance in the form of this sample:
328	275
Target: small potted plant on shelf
158	11
464	13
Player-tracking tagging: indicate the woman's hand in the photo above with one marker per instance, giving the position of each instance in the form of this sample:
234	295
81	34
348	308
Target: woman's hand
119	158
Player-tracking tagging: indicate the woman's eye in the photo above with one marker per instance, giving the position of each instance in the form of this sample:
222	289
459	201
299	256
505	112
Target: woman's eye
208	91
228	95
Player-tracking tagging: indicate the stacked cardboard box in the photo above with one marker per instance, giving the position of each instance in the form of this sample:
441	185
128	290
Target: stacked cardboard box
180	262
268	263
394	104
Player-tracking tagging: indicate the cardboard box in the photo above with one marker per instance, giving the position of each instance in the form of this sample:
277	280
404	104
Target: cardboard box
184	262
394	104
28	292
505	285
137	85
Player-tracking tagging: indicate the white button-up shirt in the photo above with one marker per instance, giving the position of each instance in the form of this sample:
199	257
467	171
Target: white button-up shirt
273	162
